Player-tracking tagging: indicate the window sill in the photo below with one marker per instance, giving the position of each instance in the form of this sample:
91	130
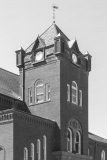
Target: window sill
39	103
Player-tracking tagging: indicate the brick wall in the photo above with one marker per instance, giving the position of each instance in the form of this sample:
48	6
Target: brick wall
27	129
49	73
70	72
6	139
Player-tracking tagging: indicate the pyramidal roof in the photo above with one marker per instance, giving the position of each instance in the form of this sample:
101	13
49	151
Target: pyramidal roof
47	38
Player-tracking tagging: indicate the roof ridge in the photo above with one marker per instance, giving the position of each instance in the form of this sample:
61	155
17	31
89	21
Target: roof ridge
9	71
30	45
62	32
55	28
45	31
97	136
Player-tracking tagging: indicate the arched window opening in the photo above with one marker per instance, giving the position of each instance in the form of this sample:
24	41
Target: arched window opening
103	155
74	93
32	151
44	147
78	142
69	140
25	154
39	92
39	149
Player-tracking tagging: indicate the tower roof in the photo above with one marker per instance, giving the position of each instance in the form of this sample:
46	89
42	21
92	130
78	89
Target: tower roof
47	37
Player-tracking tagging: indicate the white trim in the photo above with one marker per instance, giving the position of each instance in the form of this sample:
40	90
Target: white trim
69	140
78	143
25	153
38	94
103	155
80	98
74	96
39	149
68	92
47	92
32	151
44	147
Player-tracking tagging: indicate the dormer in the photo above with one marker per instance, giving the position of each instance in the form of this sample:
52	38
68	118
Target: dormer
59	44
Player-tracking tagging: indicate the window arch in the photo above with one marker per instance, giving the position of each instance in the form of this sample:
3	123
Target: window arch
44	146
39	149
69	139
74	136
39	91
103	155
74	92
25	154
32	151
78	142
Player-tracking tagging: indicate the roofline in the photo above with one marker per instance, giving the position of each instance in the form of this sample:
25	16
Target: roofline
97	136
9	71
45	30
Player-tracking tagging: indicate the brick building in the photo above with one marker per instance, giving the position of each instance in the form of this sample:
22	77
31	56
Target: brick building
44	110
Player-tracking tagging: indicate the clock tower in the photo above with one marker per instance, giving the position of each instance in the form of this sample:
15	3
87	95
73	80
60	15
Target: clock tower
54	80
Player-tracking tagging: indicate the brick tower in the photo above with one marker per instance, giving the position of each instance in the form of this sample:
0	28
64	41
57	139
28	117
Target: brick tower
54	85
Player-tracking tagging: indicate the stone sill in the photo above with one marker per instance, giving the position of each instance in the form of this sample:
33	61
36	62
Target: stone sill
61	155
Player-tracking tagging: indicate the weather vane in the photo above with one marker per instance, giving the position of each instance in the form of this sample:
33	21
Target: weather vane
54	7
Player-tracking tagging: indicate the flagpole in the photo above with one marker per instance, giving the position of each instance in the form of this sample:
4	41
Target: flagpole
54	7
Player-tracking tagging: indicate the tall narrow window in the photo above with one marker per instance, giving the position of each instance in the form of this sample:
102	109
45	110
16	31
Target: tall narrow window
68	92
69	140
30	95
44	146
25	154
57	46
78	142
88	152
103	155
80	98
74	93
39	92
32	151
47	92
39	149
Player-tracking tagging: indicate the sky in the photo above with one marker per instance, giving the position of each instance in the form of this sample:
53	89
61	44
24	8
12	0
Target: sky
86	20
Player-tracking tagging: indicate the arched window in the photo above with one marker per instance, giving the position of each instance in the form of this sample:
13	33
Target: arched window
44	146
74	93
39	149
69	140
25	154
32	151
78	142
103	155
39	92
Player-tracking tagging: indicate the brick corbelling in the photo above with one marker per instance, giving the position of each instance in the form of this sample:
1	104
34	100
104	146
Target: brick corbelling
10	102
61	155
6	117
34	119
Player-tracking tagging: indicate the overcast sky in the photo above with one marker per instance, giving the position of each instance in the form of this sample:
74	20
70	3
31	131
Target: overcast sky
86	20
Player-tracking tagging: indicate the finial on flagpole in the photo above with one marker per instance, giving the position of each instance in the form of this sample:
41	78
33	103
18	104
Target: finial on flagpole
54	7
